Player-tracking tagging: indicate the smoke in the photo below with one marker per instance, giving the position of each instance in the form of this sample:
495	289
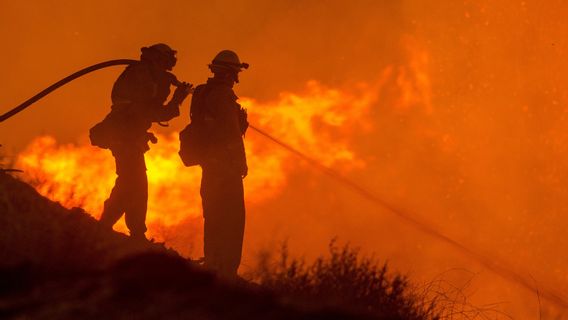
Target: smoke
464	125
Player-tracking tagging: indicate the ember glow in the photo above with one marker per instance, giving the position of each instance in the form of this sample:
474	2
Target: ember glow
319	121
454	110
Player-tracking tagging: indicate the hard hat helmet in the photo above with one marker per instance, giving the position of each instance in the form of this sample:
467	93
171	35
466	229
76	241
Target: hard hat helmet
162	48
227	60
161	53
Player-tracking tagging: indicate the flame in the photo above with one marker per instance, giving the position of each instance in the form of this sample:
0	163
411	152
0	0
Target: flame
413	78
470	132
320	121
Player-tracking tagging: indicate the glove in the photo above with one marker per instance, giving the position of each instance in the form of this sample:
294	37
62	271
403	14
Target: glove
243	122
142	144
182	91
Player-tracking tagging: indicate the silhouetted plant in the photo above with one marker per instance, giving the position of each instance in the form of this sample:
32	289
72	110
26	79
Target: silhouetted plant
451	300
343	280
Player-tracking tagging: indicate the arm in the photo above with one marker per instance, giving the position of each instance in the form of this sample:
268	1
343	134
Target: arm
159	113
137	86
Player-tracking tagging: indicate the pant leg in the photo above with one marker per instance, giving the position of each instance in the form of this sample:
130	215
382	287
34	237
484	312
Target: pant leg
224	214
135	183
130	193
137	203
114	205
210	200
234	224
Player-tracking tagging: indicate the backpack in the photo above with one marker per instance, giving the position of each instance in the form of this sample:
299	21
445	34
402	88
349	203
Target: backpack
113	129
193	138
105	133
99	135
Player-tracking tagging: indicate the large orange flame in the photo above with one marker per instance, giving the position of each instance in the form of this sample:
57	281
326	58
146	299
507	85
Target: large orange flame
319	121
470	133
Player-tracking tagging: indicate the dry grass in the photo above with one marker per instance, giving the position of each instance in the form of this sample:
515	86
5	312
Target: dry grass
347	280
344	280
451	299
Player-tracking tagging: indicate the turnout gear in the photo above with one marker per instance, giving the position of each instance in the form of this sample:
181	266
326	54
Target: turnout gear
218	124
129	195
138	97
223	203
198	140
223	168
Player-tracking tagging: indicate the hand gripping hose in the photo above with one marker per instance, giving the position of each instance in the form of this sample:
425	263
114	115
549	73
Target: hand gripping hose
64	81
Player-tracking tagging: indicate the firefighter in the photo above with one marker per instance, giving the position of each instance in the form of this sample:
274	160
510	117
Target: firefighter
223	165
138	100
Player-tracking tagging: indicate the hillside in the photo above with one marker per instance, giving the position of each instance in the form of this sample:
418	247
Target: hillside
57	263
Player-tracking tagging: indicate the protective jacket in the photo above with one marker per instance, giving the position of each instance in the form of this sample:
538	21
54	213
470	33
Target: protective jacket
225	123
138	98
223	166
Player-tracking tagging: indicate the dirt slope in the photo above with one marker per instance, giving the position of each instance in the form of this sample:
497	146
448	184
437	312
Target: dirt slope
57	263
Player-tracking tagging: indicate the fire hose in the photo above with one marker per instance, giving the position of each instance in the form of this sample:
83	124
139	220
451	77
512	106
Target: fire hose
495	266
63	82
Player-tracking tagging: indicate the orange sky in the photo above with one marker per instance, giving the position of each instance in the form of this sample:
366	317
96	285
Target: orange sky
468	130
287	44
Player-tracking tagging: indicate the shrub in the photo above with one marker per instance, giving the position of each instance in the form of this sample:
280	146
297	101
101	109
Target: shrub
344	280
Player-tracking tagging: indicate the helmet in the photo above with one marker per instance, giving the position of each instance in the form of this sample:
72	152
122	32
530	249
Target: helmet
227	60
160	53
162	48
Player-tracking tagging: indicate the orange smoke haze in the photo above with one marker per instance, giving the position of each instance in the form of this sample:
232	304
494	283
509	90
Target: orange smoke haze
319	120
456	111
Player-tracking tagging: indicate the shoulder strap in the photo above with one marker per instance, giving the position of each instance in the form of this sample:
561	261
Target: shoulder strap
198	107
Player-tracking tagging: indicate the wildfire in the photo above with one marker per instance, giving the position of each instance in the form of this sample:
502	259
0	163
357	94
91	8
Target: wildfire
461	120
318	121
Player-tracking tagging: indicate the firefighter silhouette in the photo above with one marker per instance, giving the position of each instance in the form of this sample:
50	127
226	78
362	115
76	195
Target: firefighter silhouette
138	98
214	109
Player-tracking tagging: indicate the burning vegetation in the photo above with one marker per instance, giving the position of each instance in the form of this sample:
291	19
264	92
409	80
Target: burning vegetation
455	111
320	120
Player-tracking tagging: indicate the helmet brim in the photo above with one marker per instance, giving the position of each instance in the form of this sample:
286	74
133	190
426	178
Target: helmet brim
229	66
